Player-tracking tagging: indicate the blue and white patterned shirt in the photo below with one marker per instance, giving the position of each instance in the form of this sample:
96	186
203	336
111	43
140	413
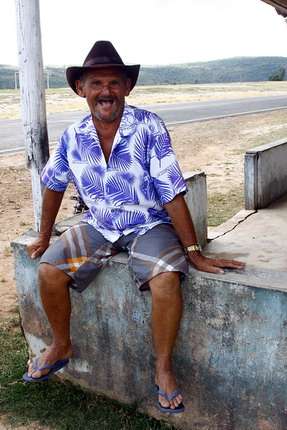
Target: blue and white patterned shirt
127	193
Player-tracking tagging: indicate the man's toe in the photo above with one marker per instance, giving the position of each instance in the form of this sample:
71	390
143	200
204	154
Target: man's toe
31	369
163	402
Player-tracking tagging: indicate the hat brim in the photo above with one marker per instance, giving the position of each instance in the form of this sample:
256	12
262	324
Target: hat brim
74	73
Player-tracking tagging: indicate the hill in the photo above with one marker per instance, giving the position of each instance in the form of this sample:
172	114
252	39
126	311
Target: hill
238	69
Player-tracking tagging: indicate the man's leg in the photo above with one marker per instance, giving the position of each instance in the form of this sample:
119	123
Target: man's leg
166	315
55	297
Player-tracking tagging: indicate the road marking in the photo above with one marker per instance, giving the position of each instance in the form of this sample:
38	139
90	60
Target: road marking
224	116
21	149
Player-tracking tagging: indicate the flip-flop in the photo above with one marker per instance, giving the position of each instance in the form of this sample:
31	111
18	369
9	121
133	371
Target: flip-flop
54	368
179	408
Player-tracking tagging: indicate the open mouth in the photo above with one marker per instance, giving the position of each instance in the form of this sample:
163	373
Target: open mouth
106	103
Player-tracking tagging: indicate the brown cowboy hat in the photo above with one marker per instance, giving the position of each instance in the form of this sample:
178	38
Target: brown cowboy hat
103	54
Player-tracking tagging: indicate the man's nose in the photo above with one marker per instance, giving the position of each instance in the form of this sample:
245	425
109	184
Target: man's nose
106	89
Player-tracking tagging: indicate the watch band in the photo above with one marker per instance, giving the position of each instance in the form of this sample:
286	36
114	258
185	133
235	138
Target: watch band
190	248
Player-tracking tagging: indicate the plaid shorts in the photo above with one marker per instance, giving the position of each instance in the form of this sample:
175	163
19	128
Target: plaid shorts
82	252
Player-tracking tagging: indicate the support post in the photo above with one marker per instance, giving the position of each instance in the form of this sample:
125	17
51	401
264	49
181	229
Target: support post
32	88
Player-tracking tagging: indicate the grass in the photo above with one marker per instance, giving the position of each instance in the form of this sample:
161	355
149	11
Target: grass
233	88
56	404
8	250
222	207
237	86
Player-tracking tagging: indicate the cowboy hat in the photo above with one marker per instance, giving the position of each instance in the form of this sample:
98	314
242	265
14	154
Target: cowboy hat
103	54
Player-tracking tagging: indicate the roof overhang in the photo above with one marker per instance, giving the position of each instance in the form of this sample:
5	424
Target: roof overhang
280	6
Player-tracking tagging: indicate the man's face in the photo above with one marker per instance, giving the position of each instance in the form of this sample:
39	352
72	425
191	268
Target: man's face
105	91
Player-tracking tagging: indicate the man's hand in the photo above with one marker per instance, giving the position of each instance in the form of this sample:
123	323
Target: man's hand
38	246
183	224
212	265
50	207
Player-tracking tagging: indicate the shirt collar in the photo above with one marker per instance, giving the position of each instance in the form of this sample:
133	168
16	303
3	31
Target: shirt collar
128	121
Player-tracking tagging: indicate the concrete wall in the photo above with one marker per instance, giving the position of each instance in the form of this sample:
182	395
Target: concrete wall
265	174
196	199
230	355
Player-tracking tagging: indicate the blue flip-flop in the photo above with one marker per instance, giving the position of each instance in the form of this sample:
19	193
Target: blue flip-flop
179	408
54	368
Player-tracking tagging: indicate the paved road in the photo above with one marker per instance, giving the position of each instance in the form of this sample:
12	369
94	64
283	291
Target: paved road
12	140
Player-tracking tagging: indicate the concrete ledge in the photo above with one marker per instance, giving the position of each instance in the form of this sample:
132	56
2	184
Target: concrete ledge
256	237
265	174
229	225
230	355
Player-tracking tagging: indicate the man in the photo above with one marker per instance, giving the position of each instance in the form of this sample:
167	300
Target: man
122	163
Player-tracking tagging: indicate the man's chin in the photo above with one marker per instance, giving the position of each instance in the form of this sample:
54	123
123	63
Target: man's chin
106	116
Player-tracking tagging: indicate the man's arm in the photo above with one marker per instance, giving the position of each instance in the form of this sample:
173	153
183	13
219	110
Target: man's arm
51	204
181	219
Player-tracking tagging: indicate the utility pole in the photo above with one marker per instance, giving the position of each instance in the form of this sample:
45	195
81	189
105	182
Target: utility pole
32	89
15	79
48	79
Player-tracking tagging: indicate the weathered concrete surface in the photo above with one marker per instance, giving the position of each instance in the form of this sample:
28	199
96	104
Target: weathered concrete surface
230	355
265	174
196	200
258	238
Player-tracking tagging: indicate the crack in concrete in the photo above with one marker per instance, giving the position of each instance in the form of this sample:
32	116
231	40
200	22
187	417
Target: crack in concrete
234	226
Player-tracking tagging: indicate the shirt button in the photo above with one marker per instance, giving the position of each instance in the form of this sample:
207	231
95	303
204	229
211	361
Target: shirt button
112	210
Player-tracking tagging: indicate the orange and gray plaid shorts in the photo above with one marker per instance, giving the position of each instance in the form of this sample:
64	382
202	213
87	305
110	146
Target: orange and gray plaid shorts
82	252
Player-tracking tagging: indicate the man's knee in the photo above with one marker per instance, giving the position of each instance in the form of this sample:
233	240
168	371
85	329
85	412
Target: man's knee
166	285
50	275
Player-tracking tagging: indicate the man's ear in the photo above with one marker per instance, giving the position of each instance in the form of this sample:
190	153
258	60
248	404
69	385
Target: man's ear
79	88
129	84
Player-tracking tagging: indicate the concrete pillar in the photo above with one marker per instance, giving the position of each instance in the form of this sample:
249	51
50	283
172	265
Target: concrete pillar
196	200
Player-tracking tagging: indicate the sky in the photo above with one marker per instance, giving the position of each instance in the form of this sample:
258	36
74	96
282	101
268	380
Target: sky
150	32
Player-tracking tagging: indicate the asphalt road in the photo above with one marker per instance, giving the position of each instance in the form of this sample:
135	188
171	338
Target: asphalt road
12	139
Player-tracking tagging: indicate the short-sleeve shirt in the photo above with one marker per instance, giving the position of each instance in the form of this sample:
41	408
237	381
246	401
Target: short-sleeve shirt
126	193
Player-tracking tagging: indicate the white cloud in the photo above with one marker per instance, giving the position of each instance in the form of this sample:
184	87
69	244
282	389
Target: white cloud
151	32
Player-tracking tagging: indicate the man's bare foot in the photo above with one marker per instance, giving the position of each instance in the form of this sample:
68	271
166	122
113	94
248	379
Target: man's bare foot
49	357
166	383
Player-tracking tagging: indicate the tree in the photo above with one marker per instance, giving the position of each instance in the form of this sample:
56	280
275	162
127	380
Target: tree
281	73
279	76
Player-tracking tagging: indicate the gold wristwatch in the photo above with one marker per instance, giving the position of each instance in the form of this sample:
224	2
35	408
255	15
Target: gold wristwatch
190	248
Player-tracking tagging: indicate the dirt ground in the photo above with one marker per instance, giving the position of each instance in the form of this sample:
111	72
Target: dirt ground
215	147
